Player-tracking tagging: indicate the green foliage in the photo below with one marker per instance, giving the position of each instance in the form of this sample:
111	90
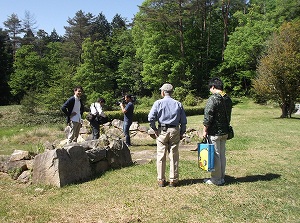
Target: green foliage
6	67
146	102
180	93
278	70
169	41
31	72
141	115
15	172
190	100
94	74
243	50
247	43
29	103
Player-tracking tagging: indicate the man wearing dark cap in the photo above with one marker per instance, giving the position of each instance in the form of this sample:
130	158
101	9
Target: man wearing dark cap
172	121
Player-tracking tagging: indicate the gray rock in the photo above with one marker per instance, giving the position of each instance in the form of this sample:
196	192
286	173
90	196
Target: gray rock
61	167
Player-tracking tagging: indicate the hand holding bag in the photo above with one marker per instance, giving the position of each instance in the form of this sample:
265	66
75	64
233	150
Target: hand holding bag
206	151
230	132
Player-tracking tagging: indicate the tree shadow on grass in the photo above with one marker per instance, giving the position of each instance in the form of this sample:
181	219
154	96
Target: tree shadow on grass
235	180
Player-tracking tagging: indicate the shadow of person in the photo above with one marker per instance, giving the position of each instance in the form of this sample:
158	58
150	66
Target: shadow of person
234	180
251	178
186	182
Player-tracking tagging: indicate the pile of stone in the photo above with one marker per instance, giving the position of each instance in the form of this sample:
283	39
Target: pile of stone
62	164
73	163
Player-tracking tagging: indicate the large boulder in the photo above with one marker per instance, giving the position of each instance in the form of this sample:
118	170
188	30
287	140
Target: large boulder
79	162
61	167
118	155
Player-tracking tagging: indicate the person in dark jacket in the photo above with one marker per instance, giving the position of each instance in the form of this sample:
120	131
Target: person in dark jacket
73	108
217	116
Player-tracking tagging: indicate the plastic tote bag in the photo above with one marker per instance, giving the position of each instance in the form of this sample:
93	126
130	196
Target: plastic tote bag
206	151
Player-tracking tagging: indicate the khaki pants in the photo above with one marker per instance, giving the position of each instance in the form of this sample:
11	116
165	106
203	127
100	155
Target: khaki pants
168	142
220	157
74	131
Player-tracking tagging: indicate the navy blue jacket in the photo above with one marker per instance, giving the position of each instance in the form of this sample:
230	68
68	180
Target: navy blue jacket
68	106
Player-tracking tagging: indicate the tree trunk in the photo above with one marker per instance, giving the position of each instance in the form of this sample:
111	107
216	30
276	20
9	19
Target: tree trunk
287	110
225	13
181	29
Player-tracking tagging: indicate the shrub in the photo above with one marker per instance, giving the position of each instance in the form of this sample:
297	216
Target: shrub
141	115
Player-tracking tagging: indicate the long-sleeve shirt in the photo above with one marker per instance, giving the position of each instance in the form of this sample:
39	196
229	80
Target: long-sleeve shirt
169	112
96	108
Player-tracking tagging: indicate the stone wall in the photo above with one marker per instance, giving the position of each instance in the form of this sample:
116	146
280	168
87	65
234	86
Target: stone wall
62	164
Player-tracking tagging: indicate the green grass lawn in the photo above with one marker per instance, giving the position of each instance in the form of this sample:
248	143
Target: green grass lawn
262	181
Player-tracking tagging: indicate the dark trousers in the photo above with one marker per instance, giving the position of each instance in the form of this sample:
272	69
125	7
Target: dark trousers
95	129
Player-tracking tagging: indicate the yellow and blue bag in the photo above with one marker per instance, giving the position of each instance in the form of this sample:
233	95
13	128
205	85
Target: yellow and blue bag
206	151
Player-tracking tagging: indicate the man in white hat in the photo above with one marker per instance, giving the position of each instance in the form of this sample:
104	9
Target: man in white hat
172	121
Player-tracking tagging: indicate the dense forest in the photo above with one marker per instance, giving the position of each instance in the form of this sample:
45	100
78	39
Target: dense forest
254	46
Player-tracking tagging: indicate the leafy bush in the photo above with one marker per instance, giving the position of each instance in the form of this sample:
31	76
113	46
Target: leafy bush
29	103
141	115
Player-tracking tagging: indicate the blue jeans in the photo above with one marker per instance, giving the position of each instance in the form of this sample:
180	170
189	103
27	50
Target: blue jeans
126	126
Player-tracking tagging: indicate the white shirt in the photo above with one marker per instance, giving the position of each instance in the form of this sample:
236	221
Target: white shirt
97	109
76	108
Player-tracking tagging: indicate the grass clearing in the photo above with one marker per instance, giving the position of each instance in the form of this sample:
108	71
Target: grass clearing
262	181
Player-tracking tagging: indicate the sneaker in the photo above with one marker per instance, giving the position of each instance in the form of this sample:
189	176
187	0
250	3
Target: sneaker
161	183
173	184
210	182
222	181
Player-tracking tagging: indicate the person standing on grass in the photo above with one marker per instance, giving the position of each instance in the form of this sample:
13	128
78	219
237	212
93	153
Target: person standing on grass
73	108
218	106
128	117
170	114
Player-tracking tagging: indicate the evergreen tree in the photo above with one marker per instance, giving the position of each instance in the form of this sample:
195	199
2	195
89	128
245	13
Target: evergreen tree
6	67
100	28
78	30
14	29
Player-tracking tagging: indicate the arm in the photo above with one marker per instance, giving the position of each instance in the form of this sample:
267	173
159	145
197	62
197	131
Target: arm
204	134
208	116
183	122
123	108
67	108
152	118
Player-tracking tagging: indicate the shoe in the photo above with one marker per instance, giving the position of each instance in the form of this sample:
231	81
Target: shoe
222	181
161	183
173	184
210	182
